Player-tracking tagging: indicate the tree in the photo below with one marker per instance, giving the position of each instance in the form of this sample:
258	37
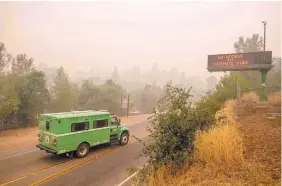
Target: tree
9	99
22	65
148	99
253	44
88	95
62	98
5	57
100	97
30	86
34	96
115	75
274	75
154	73
109	97
75	95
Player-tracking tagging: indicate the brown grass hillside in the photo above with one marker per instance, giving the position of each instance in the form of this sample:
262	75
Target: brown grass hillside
244	148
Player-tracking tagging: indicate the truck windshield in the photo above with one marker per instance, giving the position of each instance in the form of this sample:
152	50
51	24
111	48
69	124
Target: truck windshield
114	120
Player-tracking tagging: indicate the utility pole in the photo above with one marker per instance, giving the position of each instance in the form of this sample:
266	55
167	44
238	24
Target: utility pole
264	34
121	103
127	104
263	96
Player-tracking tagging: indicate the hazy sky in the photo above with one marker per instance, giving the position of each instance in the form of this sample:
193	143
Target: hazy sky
95	35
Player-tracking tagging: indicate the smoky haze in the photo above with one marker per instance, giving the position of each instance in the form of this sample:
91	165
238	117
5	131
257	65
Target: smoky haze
145	41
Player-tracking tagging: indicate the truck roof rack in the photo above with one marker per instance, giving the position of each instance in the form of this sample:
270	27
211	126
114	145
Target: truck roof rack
103	110
107	111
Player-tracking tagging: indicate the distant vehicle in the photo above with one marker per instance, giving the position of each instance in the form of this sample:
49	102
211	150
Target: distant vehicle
77	131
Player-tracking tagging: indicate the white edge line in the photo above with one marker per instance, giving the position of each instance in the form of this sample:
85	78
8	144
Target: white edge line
132	175
124	181
19	154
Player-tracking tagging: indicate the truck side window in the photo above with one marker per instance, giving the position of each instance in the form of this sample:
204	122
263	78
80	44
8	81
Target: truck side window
79	126
47	125
100	123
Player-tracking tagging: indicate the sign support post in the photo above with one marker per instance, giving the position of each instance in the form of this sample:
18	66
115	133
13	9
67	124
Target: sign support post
238	91
263	95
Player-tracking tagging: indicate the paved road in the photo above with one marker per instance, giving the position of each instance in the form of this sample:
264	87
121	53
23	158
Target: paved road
103	166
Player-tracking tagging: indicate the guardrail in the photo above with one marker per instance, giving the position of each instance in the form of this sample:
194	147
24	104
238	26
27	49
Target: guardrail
275	88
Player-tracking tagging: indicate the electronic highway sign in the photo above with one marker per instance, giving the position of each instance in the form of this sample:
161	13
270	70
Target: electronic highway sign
240	61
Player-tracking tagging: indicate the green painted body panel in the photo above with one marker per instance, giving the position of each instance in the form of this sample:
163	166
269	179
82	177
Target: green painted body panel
60	125
122	128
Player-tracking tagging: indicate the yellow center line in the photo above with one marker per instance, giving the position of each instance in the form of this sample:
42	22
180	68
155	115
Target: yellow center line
70	168
32	173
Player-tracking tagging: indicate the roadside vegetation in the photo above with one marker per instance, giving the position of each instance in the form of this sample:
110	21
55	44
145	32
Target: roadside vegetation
205	144
236	151
26	92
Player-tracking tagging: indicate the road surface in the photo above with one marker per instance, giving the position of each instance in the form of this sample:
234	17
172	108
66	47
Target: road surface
105	165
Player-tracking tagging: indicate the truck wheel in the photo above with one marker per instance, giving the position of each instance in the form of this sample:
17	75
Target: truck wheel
124	138
82	150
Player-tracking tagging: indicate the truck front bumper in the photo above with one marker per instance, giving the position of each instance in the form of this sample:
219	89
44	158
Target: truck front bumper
41	147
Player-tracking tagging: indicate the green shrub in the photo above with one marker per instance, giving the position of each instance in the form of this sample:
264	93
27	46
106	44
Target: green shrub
173	128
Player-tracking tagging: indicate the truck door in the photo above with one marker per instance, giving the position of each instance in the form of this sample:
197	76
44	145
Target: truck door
114	126
101	132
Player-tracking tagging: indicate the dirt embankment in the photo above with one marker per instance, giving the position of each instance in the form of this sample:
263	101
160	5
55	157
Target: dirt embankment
18	137
262	143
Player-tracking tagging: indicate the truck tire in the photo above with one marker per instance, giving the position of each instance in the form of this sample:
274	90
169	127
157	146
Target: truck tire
82	150
124	138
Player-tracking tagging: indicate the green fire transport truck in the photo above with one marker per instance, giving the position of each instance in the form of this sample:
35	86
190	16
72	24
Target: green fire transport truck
77	131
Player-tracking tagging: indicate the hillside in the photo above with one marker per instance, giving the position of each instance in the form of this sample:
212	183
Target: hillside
244	148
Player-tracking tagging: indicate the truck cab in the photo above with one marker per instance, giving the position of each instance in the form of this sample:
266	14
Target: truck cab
116	130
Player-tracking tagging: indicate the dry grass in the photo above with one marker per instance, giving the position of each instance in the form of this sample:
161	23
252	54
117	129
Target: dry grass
250	97
274	98
221	147
162	177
